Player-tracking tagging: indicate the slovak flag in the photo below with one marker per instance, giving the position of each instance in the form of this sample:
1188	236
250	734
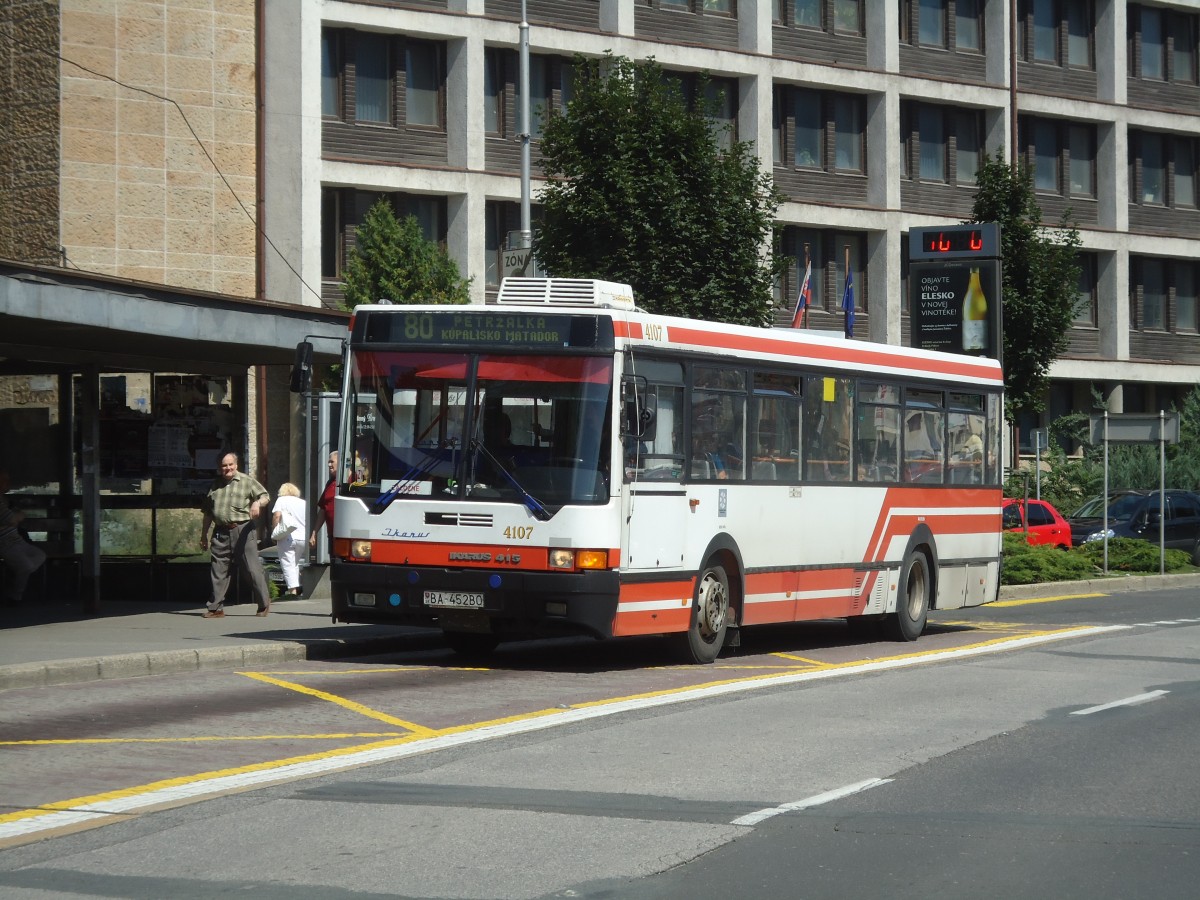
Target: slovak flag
848	303
805	297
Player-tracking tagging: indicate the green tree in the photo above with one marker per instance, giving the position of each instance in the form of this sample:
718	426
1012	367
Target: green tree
392	260
641	193
1041	281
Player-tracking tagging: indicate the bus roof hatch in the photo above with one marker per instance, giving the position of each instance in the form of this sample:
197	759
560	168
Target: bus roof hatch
565	292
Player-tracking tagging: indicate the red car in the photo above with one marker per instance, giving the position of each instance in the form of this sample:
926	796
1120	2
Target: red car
1046	525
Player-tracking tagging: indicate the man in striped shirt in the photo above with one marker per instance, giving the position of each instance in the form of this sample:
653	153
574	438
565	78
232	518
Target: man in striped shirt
231	509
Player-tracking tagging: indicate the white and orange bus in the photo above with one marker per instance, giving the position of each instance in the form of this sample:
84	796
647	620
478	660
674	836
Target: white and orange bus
561	462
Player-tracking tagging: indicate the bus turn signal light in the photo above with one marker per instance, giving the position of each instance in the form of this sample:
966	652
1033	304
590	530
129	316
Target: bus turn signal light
591	559
578	559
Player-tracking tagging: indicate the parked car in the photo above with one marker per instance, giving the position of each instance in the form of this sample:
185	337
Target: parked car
1045	523
1135	514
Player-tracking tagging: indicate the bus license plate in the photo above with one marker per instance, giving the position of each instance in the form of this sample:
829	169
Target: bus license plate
454	599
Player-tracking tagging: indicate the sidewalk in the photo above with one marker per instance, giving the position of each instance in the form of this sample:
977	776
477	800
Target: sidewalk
47	644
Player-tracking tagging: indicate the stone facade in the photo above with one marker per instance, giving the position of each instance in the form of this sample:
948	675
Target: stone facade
157	131
29	151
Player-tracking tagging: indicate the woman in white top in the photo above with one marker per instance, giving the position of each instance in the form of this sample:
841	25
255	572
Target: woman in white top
289	509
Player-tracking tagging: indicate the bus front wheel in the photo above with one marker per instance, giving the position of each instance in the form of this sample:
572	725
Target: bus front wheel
710	617
912	607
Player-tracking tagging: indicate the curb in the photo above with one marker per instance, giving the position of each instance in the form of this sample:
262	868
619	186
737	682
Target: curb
178	662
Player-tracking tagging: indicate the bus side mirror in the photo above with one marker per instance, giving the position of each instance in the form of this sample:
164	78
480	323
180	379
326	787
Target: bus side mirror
302	368
641	410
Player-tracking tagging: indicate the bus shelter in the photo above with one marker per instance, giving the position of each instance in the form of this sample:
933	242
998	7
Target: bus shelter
117	400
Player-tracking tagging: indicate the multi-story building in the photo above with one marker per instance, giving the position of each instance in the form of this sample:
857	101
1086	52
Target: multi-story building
223	151
873	116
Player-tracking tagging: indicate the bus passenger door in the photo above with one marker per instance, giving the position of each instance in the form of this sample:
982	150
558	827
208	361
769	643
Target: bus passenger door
656	508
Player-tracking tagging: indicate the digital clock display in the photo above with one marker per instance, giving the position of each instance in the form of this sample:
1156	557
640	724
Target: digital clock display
950	241
955	241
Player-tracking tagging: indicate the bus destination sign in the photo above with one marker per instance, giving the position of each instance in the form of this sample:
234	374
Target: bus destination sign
510	330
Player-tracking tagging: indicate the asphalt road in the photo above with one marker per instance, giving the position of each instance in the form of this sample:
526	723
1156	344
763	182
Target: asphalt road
587	770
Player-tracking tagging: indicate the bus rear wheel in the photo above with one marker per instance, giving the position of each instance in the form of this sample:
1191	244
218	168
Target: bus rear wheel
470	643
912	607
710	617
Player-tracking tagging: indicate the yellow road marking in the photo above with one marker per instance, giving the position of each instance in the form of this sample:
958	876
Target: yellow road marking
419	733
803	659
123	793
202	738
1003	603
343	702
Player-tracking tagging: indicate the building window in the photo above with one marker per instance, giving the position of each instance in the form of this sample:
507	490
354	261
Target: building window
941	143
931	23
826	249
331	74
1057	32
926	23
493	91
1062	156
969	152
1085	305
931	137
331	233
806	13
845	17
1187	277
821	130
1184	167
968	26
1154	170
343	209
1081	161
372	78
717	97
1162	169
1162	44
705	7
424	77
551	86
1154	45
810	128
1183	52
1154	295
849	133
720	97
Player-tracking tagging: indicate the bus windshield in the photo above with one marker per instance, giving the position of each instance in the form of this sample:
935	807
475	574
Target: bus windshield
460	426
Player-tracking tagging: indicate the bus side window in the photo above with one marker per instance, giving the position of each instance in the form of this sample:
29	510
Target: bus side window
828	405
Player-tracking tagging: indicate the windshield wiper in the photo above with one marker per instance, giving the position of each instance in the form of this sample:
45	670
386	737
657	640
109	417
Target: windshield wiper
535	506
412	476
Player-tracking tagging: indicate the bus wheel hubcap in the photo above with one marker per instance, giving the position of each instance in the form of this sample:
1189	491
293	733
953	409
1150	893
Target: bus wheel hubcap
714	602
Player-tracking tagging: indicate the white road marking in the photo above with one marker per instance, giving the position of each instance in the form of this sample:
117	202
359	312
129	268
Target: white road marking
1128	701
134	801
817	800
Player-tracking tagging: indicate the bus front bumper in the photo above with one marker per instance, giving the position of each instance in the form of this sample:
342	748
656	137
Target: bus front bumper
514	602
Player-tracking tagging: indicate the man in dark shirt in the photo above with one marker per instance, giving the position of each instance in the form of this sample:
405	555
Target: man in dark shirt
231	509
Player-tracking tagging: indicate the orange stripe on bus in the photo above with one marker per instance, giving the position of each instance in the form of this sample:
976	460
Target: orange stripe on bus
626	329
641	592
851	353
653	621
